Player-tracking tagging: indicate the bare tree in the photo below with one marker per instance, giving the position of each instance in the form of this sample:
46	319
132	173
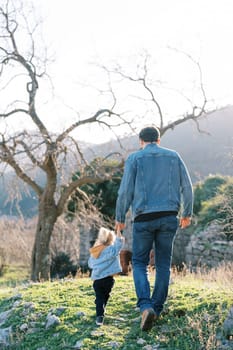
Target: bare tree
44	150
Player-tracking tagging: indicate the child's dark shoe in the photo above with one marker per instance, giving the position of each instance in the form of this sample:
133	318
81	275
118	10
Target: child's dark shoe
99	320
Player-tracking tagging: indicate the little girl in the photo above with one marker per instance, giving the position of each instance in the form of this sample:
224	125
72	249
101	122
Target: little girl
105	263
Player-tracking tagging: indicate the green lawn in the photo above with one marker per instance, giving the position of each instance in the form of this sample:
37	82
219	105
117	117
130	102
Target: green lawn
193	315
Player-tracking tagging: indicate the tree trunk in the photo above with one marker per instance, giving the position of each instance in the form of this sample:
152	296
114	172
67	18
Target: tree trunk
47	217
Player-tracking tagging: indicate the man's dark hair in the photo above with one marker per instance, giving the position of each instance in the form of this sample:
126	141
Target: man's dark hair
149	134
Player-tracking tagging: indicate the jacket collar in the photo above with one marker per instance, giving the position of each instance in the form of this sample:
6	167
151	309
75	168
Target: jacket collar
97	250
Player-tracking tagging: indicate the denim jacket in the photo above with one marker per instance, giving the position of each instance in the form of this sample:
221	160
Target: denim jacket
108	262
155	179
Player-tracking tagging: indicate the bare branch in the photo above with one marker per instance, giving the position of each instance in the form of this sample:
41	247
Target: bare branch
73	186
30	154
142	79
10	80
80	153
100	174
94	118
11	27
191	116
7	157
15	111
197	63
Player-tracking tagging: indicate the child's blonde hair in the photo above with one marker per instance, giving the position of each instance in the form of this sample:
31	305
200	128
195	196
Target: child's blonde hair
105	236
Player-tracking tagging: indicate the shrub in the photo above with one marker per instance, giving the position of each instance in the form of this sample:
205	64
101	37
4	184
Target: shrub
62	266
226	209
210	211
219	207
101	195
206	190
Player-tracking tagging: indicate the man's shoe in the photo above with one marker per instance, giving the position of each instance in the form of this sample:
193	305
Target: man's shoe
148	317
99	320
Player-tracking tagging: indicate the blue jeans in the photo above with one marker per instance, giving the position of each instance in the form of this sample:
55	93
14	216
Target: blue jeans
158	233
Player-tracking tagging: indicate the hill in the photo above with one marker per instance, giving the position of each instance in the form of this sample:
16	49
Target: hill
61	315
208	151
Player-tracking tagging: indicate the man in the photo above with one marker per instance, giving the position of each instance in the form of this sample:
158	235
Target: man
155	183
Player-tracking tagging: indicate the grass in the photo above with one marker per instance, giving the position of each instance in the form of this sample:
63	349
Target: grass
195	310
13	275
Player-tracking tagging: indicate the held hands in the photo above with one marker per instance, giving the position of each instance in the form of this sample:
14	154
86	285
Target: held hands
119	226
185	222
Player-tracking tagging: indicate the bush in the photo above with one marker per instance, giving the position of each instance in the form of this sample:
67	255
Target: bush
102	195
62	266
219	207
206	190
226	209
211	211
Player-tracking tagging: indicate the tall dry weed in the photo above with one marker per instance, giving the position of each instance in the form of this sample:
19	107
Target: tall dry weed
221	274
17	237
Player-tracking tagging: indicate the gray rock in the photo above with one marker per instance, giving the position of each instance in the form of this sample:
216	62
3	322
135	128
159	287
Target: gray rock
58	311
5	335
24	327
29	305
78	344
16	297
52	320
4	316
33	330
113	344
16	304
228	325
148	347
209	247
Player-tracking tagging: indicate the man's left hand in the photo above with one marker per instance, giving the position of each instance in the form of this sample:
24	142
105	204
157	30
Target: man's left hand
185	222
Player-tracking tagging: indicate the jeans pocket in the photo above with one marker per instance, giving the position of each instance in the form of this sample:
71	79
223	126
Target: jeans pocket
170	223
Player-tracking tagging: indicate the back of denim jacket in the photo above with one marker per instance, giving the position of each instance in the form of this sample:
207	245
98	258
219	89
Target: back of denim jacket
155	179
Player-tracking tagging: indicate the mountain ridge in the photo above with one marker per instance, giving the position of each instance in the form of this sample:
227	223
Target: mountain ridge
206	145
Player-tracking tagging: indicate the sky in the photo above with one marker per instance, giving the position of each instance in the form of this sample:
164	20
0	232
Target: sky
81	34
